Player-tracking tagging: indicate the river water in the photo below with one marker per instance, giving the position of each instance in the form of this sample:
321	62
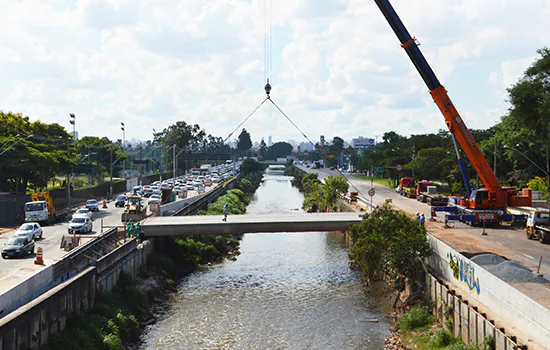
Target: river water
285	291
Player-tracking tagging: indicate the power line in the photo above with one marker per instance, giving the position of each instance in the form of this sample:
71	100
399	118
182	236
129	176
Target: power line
322	151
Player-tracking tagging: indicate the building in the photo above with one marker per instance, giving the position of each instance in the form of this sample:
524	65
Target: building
305	147
292	143
269	141
322	140
362	142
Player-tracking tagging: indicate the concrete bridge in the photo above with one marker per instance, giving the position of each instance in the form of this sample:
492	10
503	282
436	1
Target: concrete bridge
248	223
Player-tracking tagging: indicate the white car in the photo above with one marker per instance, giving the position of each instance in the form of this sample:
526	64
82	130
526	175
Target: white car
30	229
83	212
154	198
80	225
92	205
190	186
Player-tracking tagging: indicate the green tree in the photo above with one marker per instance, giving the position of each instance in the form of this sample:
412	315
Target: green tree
250	166
183	135
31	161
333	188
388	243
278	149
244	142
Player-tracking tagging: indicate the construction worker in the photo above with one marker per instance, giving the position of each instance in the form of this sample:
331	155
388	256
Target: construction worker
422	219
137	230
129	228
417	216
224	211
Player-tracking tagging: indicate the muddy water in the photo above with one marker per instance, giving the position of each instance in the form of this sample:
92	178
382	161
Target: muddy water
285	291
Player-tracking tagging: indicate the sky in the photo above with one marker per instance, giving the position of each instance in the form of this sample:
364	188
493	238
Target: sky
337	68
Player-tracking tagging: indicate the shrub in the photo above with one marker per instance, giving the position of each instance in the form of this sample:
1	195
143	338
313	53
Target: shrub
416	318
440	339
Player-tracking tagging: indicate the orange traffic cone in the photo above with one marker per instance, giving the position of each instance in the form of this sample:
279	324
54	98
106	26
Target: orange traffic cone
39	259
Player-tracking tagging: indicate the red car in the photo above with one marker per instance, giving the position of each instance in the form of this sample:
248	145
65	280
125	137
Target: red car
208	182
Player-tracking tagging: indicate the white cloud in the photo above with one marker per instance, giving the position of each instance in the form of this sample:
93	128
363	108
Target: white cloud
337	67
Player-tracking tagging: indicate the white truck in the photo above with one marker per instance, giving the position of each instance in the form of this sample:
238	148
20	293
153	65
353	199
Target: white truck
206	169
538	225
41	209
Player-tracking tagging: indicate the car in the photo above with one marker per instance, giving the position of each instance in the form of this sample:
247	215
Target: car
208	182
18	247
198	183
121	200
332	168
155	197
189	186
80	225
31	229
92	205
83	212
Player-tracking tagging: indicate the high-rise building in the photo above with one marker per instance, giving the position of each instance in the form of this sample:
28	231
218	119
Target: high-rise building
306	146
322	141
292	143
269	141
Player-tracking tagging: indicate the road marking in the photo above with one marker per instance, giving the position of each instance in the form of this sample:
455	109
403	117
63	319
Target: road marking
3	278
529	256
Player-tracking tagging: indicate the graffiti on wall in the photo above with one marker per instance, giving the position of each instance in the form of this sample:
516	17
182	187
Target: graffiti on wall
465	272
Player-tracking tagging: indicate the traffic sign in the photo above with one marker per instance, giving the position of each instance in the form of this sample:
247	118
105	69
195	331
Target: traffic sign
399	167
372	192
515	176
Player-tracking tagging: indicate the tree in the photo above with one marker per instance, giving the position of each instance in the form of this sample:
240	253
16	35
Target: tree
279	149
333	188
250	166
388	243
31	161
263	148
244	142
183	135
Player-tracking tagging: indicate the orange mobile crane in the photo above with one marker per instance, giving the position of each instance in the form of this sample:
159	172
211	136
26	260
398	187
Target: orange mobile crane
485	204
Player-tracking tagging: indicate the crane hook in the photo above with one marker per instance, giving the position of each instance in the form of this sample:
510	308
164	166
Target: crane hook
267	88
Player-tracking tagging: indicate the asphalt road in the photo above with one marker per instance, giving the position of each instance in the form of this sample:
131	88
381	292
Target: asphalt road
511	241
13	271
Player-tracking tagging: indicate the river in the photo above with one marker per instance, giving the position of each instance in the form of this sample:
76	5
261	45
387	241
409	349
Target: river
285	291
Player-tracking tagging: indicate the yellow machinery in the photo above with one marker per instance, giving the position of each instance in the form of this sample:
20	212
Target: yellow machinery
134	209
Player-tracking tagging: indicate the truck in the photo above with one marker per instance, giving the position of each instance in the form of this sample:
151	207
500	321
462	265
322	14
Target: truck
486	204
206	169
41	209
426	192
407	187
538	225
134	209
165	195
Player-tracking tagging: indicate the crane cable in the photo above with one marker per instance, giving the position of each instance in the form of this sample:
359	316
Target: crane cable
267	46
311	142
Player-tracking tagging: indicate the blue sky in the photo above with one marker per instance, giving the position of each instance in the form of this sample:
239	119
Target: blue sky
337	68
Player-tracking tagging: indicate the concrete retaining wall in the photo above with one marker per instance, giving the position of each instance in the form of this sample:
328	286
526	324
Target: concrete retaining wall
30	326
504	301
466	322
26	290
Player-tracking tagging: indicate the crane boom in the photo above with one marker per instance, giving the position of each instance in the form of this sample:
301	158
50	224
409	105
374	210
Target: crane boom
454	122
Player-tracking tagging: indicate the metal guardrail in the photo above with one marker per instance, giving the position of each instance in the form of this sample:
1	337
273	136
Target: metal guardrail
206	199
86	255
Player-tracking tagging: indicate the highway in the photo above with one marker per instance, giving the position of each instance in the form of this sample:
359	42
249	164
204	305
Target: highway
13	271
509	242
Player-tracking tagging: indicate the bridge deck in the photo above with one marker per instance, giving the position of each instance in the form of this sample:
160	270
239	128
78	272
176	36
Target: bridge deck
248	223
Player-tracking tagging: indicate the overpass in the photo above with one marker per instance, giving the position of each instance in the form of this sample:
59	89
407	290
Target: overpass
248	223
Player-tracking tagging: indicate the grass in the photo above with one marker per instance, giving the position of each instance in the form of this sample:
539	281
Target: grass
380	181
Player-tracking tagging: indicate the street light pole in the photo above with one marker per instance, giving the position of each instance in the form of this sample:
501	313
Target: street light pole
174	163
123	128
73	123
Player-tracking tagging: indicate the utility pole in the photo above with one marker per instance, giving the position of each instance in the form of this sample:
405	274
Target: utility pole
111	182
414	155
495	159
73	123
174	163
123	139
160	165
